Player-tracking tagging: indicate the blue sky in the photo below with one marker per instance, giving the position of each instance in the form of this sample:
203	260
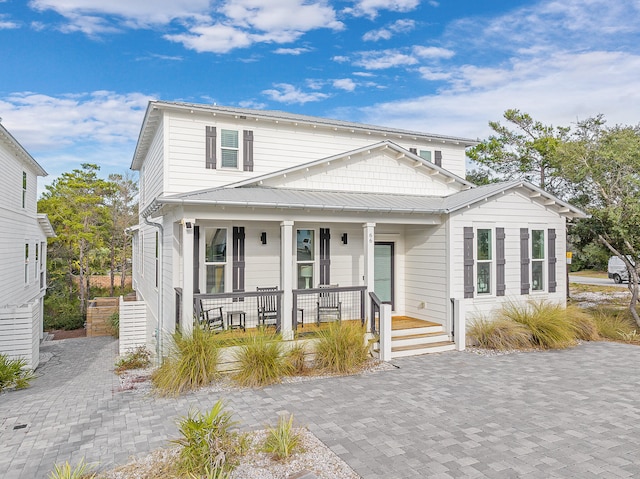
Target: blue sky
77	74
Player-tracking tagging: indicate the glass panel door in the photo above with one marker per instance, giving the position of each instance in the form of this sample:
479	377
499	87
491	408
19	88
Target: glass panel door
383	272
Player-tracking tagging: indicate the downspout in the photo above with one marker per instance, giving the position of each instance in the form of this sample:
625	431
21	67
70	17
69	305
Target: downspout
160	286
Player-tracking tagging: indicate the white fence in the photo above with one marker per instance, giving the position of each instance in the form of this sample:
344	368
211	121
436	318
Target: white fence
133	325
20	333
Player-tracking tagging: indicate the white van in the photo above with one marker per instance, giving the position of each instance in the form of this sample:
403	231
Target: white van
617	270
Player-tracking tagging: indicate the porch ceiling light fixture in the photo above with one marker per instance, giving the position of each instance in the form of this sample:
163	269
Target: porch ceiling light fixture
263	237
344	238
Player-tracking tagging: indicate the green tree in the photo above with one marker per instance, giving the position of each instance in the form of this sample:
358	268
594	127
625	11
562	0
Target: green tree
523	149
74	203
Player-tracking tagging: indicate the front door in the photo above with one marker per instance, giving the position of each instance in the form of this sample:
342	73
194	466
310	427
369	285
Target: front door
383	274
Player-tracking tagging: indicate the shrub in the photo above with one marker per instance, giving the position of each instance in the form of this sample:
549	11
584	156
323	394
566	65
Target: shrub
582	322
295	356
261	360
341	347
208	443
114	324
65	471
13	373
62	311
191	364
547	323
612	323
283	439
501	334
139	358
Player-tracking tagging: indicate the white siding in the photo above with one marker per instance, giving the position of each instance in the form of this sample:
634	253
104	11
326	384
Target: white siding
426	273
276	146
152	176
512	212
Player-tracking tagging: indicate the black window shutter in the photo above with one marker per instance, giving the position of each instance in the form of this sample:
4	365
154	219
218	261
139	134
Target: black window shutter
210	156
524	261
500	262
196	259
413	150
468	262
552	260
438	158
247	164
325	256
238	260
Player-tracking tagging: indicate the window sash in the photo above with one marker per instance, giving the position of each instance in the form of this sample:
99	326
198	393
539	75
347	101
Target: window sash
484	277
537	275
228	158
426	155
215	278
229	148
305	258
537	244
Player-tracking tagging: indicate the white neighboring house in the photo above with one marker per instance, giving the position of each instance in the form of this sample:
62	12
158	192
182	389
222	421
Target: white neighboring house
233	199
23	252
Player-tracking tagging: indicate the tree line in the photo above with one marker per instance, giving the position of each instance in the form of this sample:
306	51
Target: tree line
589	164
90	216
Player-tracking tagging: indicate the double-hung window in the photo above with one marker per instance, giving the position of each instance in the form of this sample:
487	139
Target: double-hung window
229	148
24	189
215	259
26	263
484	263
537	260
305	258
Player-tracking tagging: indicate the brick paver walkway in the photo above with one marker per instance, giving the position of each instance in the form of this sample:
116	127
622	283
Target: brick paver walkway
572	413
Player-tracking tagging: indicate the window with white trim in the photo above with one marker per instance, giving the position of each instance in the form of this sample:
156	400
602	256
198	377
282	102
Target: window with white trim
537	260
229	148
24	189
157	256
425	155
215	259
484	262
305	258
26	263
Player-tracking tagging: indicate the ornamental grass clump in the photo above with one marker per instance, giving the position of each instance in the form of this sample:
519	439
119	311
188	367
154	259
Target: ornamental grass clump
501	334
583	324
14	373
66	471
612	323
139	358
296	357
282	440
341	348
209	446
191	364
261	360
547	323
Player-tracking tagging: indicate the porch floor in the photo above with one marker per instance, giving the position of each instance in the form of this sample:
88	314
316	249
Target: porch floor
407	322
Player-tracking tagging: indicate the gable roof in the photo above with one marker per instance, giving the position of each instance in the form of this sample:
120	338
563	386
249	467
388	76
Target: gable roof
285	198
152	120
13	145
383	145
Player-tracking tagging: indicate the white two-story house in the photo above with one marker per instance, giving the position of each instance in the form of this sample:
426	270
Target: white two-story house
23	252
232	200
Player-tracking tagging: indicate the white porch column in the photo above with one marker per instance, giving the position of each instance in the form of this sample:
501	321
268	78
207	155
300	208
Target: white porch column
368	230
186	324
459	324
385	332
286	275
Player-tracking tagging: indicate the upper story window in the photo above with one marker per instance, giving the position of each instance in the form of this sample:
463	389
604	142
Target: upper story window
229	148
425	155
24	189
484	263
537	260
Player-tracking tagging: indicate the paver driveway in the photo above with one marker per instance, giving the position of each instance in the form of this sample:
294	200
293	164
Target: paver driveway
572	413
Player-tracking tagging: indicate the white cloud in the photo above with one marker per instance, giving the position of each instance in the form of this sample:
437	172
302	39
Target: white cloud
556	90
382	59
385	33
340	59
433	75
364	74
375	35
370	8
291	51
286	93
212	38
6	23
346	84
433	52
43	122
